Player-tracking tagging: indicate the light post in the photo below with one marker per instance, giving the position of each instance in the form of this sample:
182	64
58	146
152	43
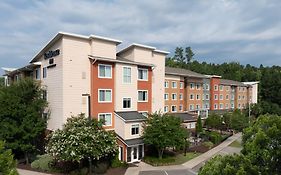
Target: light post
89	117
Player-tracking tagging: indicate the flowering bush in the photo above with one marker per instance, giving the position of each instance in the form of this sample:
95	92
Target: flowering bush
80	139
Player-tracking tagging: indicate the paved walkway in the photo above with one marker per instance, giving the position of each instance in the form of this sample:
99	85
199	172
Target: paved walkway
191	166
27	172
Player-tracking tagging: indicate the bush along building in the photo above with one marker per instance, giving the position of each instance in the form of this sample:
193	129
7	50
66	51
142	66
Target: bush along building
86	74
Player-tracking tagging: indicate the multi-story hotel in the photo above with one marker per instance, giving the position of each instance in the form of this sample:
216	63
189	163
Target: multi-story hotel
122	86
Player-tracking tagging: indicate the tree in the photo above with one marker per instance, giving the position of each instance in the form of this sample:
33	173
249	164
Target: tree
238	120
2	83
189	54
164	131
179	55
7	162
214	121
199	128
81	139
21	121
228	165
261	143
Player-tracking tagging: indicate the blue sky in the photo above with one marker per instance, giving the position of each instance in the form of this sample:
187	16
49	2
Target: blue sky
218	31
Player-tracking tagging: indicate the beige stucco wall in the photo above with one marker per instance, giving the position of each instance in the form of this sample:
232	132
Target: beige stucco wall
124	89
128	127
103	48
119	126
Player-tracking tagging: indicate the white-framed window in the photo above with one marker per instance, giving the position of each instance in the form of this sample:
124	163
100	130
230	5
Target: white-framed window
221	106
191	85
106	118
135	129
104	71
142	95
105	96
142	74
191	107
232	105
216	96
174	96
207	86
173	108
226	106
227	88
181	85
144	113
216	87
221	87
198	86
127	102
180	108
166	84
239	97
197	106
166	96
127	74
44	72
17	78
181	96
207	96
243	97
206	106
221	97
232	97
174	84
239	105
166	108
197	97
216	106
191	97
37	74
226	97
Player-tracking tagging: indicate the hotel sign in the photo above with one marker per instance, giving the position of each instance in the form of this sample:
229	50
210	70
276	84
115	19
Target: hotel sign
51	54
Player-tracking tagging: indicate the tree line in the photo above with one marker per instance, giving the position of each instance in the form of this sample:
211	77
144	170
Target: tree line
269	77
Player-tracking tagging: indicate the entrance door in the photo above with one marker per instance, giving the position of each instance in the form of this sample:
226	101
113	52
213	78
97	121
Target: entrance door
135	153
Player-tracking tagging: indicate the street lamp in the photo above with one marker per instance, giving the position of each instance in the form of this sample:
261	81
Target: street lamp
89	117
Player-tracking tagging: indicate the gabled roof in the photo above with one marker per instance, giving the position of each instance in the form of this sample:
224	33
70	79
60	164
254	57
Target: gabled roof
185	116
131	142
231	83
130	116
183	72
142	46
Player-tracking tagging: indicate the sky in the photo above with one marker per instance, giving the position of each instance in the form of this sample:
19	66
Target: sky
218	31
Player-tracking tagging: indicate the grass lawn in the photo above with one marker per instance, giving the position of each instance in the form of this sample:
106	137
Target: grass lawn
236	144
171	160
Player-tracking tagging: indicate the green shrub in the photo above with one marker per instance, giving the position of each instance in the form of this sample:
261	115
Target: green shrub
155	161
7	162
43	162
101	167
117	163
208	144
215	137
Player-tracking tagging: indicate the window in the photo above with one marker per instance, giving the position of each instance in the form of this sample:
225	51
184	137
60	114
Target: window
243	97
198	86
174	84
216	106
232	105
239	97
44	95
44	72
221	106
174	96
191	107
106	118
142	74
216	87
51	61
135	129
197	107
37	74
232	97
197	97
226	106
166	84
180	108
181	96
166	108
226	97
166	96
216	97
104	95
221	97
191	97
17	77
104	71
142	96
206	106
227	88
126	74
126	103
144	113
239	105
181	85
207	87
207	97
174	108
221	87
191	85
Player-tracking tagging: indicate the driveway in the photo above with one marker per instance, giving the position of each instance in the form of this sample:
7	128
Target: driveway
167	172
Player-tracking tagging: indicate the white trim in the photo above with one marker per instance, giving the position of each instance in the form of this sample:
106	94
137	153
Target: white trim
123	74
146	74
192	96
172	96
106	39
138	130
181	96
181	83
167	96
105	114
146	95
199	86
165	84
193	85
172	108
105	91
130	103
167	108
110	71
198	95
175	84
161	51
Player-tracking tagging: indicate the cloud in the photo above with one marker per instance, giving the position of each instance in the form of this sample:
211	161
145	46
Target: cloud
218	31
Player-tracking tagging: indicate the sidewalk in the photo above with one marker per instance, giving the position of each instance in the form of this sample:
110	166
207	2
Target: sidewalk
27	172
209	154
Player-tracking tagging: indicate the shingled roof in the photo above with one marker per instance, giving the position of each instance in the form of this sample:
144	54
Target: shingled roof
131	116
183	72
231	82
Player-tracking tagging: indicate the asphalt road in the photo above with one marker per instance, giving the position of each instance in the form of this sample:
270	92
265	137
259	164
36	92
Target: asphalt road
167	172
